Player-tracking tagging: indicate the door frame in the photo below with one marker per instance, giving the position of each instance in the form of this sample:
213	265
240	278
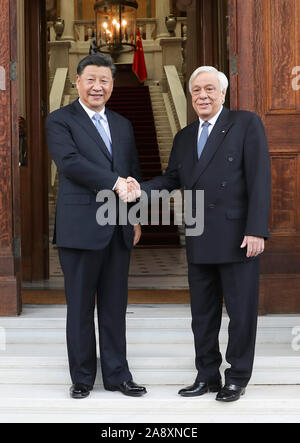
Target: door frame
35	174
278	292
10	252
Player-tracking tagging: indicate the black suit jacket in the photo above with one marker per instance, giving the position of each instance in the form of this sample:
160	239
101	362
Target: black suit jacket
234	172
86	167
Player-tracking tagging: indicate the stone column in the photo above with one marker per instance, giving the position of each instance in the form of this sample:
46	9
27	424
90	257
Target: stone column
162	11
149	9
67	12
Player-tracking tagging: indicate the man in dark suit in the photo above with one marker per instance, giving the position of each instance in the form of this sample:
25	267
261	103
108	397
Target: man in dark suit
93	148
224	153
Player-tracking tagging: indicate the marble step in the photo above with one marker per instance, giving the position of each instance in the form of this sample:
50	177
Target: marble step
145	325
144	350
152	364
166	376
51	403
159	111
140	334
151	361
162	131
147	315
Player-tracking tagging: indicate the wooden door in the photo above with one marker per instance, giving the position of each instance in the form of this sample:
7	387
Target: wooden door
10	277
265	62
34	172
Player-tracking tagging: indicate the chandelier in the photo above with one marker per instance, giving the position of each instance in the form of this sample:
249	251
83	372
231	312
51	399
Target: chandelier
116	26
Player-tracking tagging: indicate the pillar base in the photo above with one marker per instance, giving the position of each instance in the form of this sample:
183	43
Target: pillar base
10	299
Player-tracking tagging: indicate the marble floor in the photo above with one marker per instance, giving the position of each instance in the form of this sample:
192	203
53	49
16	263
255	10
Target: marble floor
150	268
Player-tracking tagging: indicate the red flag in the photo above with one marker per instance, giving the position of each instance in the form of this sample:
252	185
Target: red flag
139	65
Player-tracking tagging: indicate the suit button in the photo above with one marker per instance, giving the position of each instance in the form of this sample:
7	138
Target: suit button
223	184
211	206
230	159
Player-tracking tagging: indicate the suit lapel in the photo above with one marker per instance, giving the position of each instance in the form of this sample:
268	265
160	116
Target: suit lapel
191	147
85	122
213	143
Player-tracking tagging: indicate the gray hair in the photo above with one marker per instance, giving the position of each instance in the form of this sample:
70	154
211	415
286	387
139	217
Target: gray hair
221	76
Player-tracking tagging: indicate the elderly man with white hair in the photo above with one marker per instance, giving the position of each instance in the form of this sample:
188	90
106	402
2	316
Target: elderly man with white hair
224	153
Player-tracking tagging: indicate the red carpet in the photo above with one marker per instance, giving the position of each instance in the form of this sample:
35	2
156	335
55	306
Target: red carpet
134	103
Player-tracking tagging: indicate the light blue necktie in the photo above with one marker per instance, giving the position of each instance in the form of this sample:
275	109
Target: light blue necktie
203	138
102	132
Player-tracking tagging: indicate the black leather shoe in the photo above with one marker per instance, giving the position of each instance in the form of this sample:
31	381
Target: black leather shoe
128	388
80	390
230	393
200	388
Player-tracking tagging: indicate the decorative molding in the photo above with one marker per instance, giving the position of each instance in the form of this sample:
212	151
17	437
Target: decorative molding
281	49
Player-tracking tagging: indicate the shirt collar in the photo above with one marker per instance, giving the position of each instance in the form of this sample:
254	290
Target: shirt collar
91	113
213	120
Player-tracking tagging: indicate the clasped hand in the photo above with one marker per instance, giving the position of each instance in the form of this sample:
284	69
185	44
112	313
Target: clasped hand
128	189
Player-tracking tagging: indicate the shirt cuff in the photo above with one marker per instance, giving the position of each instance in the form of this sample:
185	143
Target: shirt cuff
114	187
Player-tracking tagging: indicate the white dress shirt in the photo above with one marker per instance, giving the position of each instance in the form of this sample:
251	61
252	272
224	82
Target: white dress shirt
102	114
212	122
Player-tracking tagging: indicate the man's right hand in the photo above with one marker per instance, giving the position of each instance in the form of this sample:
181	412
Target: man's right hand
133	189
122	188
128	189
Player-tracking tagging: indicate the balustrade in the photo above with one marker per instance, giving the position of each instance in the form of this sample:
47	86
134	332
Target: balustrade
157	48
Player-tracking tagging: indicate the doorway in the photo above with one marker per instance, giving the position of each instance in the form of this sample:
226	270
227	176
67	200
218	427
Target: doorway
33	153
163	269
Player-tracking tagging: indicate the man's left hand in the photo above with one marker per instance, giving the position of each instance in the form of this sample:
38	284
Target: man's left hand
137	230
255	245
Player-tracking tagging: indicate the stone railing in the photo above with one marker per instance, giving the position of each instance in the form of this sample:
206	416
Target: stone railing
177	96
56	101
148	27
83	29
159	50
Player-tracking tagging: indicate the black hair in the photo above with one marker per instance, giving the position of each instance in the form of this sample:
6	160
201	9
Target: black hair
98	59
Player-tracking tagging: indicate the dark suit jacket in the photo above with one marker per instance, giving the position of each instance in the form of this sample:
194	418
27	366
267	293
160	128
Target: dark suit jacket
234	172
86	167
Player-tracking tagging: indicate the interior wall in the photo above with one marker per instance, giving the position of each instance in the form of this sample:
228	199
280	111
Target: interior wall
52	10
84	9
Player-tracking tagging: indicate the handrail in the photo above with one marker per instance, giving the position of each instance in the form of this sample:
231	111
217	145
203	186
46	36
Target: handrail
57	89
177	95
56	98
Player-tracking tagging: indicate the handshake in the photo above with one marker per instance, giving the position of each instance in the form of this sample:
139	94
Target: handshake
128	189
